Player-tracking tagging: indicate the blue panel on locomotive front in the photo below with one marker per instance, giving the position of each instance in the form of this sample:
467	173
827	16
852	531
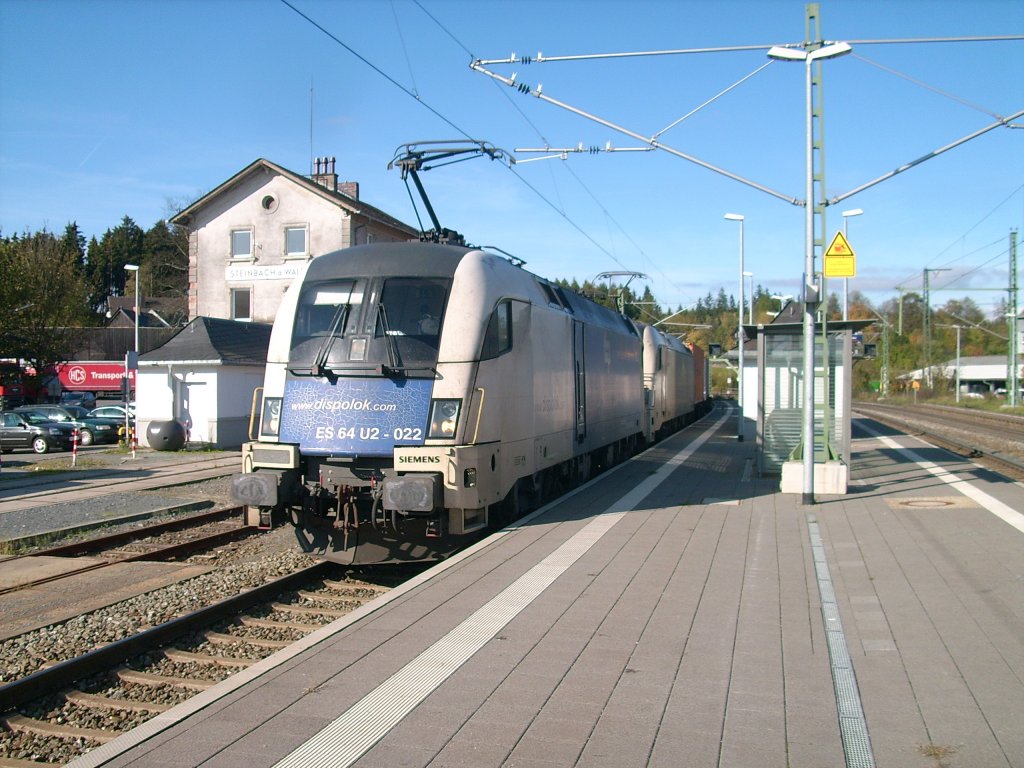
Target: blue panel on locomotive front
366	417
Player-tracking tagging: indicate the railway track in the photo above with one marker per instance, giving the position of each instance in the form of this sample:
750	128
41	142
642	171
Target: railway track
993	440
62	711
75	485
155	542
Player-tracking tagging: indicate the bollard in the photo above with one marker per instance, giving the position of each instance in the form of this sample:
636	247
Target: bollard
134	442
74	447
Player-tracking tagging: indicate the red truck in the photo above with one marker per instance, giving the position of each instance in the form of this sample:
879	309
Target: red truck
88	376
13	388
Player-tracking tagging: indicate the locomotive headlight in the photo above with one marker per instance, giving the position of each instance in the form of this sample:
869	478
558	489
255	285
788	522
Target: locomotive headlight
444	418
270	424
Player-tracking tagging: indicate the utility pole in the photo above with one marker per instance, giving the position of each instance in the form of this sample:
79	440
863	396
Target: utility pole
885	358
957	379
1013	380
927	324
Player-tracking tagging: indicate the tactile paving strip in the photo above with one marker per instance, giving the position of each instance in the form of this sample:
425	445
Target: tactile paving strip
852	726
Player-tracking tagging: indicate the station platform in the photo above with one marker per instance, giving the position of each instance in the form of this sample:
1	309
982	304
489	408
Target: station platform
676	611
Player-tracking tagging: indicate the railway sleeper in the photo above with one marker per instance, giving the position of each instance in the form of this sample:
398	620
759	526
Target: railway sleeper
13	762
106	702
175	654
22	724
219	638
340	599
147	678
350	588
250	621
302	611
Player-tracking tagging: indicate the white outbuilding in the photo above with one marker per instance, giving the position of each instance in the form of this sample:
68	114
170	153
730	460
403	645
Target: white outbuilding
203	378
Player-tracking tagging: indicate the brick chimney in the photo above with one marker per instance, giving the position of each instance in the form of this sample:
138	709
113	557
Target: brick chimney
324	174
350	188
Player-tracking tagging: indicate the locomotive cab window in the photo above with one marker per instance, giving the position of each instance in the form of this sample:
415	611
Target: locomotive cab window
324	314
498	336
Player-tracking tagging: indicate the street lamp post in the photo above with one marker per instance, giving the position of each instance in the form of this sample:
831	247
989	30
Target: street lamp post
846	280
810	292
750	297
739	335
135	268
131	360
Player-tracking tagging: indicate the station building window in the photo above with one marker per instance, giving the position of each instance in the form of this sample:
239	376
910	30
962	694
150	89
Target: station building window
241	244
295	242
241	304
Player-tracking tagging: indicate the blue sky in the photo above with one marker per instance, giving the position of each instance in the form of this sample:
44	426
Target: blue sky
120	108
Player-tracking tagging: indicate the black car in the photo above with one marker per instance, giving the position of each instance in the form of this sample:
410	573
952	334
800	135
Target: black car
85	400
89	430
29	430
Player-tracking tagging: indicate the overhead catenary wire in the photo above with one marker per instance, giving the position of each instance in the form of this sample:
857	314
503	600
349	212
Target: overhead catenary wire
978	223
412	93
927	87
514	104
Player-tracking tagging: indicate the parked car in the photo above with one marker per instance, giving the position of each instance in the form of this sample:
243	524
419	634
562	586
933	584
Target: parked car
117	422
112	412
89	430
86	400
30	430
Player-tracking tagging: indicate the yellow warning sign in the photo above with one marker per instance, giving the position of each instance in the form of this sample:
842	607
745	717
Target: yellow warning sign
840	260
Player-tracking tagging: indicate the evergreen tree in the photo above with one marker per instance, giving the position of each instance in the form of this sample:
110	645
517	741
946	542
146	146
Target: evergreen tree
72	244
105	267
164	265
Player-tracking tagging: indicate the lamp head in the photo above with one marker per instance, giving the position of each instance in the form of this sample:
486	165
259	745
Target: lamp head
830	51
781	53
734	217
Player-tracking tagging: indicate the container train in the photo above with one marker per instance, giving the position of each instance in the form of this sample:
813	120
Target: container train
418	394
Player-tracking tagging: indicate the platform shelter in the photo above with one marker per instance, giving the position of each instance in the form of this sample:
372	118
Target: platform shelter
780	390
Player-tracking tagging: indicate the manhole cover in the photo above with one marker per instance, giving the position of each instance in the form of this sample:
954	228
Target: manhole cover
931	502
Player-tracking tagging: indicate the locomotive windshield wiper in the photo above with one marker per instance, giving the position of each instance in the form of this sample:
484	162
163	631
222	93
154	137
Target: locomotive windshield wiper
318	368
389	341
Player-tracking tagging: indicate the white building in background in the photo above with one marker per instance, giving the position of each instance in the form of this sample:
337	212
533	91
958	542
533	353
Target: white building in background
249	236
978	375
248	239
204	379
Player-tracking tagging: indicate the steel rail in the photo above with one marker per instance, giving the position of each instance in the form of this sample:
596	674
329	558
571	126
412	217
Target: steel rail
973	452
168	552
66	673
115	539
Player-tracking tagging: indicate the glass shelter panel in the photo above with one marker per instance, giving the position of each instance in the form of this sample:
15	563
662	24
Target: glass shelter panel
780	398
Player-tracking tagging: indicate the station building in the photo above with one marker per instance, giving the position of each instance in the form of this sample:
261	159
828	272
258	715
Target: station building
248	239
249	236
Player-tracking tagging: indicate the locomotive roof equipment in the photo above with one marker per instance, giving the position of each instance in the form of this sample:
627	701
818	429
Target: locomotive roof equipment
418	156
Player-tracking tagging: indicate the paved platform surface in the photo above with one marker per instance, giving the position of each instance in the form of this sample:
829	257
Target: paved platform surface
678	611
